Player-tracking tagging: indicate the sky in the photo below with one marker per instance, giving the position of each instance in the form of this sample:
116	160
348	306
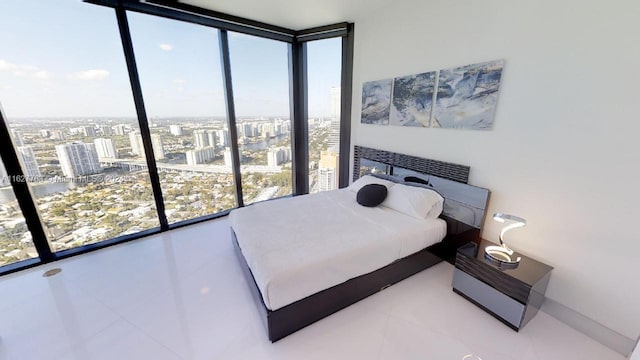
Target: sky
63	58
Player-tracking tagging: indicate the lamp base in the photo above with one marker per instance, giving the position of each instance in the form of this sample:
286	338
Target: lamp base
501	256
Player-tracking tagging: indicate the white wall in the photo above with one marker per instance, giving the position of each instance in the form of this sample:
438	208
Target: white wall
564	151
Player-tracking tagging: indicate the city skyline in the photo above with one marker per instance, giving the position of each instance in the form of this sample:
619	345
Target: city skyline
94	182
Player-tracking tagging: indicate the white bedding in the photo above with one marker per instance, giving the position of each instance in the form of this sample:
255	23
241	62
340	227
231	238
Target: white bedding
298	246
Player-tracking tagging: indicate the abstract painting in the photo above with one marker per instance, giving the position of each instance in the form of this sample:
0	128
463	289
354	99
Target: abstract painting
412	100
467	96
376	101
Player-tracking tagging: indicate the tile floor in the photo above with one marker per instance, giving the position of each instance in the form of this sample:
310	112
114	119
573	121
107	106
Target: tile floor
182	295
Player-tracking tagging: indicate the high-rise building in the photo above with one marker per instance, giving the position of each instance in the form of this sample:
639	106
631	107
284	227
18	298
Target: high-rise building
176	130
78	159
106	130
17	138
272	158
120	129
88	130
57	135
328	170
268	130
249	129
137	148
211	138
200	138
29	161
334	128
277	156
158	146
106	148
227	157
223	137
45	133
200	156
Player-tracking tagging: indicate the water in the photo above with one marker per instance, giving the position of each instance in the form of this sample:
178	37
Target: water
6	193
264	144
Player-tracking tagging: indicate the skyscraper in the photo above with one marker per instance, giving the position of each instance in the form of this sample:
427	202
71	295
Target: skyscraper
120	129
200	138
273	158
334	127
106	130
17	138
29	161
158	146
137	148
106	148
88	130
211	137
277	156
78	159
222	137
328	171
227	157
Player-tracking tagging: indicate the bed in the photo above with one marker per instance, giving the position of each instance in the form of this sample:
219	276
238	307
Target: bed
309	256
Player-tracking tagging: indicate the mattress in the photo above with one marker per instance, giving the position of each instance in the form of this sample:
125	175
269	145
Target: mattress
296	247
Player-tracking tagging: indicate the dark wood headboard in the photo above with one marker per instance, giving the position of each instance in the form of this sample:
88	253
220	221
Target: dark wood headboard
464	206
445	170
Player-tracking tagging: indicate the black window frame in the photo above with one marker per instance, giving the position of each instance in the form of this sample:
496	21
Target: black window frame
298	96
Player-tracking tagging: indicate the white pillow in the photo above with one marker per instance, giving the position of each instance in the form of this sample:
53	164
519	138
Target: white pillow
436	210
368	179
416	202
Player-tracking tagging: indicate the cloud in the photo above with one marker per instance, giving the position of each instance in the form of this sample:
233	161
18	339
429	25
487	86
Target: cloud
179	81
42	75
24	70
165	47
91	75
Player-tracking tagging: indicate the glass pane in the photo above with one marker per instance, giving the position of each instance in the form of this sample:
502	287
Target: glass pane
15	239
69	106
324	63
179	68
260	72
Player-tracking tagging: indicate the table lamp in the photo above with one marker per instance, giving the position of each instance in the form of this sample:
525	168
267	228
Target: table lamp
502	254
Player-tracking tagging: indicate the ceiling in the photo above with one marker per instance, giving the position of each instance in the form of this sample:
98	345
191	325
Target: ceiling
293	14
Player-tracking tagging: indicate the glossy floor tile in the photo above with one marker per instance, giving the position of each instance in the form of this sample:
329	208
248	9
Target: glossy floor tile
182	295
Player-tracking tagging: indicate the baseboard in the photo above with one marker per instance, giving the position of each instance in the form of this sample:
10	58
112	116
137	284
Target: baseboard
589	327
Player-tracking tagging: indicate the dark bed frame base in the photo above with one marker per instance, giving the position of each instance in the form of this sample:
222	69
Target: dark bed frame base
295	316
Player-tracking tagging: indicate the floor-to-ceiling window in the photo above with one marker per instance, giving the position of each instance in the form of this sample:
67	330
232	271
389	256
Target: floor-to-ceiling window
260	74
181	79
324	65
120	118
65	92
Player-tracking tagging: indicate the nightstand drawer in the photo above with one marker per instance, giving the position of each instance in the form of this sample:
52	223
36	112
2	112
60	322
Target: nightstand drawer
494	278
491	299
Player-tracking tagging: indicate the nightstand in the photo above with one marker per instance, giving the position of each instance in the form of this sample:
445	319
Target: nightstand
512	295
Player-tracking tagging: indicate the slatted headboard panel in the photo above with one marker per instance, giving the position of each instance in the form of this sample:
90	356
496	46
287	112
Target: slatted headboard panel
445	170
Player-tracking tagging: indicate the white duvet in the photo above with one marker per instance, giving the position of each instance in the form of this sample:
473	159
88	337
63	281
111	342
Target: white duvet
298	246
